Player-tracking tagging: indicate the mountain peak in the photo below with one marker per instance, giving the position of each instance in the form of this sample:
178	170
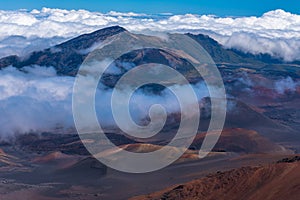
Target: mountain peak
65	57
87	40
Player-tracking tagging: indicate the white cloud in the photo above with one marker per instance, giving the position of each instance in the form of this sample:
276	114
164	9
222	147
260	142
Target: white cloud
19	45
36	99
276	32
33	99
285	85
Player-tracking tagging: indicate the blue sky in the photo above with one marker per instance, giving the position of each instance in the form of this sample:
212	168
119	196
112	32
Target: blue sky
217	7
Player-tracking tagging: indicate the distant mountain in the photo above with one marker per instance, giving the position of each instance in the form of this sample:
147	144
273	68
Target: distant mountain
68	56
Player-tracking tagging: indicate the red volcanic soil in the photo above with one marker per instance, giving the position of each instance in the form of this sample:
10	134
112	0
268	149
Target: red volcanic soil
188	155
2	153
241	141
270	182
7	160
298	89
57	159
241	115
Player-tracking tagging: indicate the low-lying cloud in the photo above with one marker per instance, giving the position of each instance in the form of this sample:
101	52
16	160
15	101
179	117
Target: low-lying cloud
35	99
279	86
276	32
286	85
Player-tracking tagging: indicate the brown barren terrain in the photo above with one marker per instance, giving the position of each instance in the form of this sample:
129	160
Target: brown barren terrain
280	181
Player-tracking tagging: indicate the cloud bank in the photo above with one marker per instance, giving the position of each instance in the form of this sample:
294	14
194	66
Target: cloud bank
276	32
36	99
33	99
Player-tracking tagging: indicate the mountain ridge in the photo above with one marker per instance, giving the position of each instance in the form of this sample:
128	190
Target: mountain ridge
68	56
65	57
